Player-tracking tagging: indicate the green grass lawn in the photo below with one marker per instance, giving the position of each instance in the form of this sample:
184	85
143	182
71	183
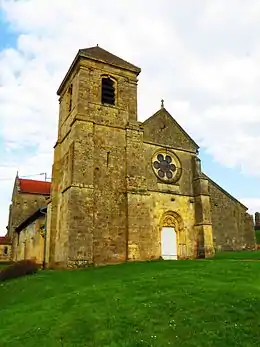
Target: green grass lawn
165	303
246	255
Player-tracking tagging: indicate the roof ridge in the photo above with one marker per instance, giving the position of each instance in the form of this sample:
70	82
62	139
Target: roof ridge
99	53
224	190
29	179
34	186
163	110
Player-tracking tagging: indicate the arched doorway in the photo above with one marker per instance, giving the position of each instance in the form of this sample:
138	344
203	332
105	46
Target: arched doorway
168	243
170	227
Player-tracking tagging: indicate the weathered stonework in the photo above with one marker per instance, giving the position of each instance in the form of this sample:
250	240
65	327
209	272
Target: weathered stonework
28	196
29	241
24	204
117	182
233	226
5	249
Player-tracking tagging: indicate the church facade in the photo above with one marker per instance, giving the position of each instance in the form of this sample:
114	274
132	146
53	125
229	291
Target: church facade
123	190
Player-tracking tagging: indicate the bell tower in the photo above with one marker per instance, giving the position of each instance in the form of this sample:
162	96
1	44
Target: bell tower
87	215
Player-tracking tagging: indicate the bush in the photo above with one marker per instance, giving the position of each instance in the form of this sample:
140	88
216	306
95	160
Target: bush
18	269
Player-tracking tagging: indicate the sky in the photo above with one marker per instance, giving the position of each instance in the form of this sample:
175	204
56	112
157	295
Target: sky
202	57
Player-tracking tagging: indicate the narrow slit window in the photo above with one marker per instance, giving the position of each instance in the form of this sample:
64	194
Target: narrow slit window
108	91
5	250
70	97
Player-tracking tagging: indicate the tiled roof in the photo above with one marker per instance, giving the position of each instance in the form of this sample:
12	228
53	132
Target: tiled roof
99	53
5	240
34	187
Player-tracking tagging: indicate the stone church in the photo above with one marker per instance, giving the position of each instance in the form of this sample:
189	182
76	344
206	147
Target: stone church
125	190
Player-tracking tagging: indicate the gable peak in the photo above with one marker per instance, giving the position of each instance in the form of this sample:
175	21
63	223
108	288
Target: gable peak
162	103
160	117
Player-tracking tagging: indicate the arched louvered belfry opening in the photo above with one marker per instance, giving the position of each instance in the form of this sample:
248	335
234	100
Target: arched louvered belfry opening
108	91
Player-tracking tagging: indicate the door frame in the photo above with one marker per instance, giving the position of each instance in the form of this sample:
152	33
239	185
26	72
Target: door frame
173	220
169	256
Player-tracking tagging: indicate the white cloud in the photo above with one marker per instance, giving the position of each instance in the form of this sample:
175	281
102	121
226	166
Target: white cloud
201	57
252	203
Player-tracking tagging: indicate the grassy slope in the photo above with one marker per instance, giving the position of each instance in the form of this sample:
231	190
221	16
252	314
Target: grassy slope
184	303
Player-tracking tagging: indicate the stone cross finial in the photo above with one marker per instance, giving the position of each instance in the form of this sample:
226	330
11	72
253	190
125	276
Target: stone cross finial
162	103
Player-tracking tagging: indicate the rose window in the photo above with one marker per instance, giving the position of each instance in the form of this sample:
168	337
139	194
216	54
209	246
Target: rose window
164	166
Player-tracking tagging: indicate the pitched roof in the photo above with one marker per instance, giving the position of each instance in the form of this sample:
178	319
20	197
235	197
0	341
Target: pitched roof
163	111
224	191
40	212
34	187
5	240
99	54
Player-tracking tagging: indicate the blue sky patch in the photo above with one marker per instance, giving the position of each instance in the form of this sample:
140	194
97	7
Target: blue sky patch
7	35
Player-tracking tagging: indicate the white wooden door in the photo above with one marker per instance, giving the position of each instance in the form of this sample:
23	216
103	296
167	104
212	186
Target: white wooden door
168	243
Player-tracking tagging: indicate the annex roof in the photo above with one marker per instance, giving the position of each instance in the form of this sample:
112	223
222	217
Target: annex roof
5	240
41	211
34	187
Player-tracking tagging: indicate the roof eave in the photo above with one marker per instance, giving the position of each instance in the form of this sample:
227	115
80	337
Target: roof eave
68	73
34	193
81	54
225	192
5	241
41	211
131	68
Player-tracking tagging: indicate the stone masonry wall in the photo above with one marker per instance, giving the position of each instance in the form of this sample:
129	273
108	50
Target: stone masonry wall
110	241
183	186
161	203
159	199
5	253
89	181
23	206
30	242
232	226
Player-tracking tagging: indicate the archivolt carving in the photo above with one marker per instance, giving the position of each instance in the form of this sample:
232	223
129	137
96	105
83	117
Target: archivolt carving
168	221
172	219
